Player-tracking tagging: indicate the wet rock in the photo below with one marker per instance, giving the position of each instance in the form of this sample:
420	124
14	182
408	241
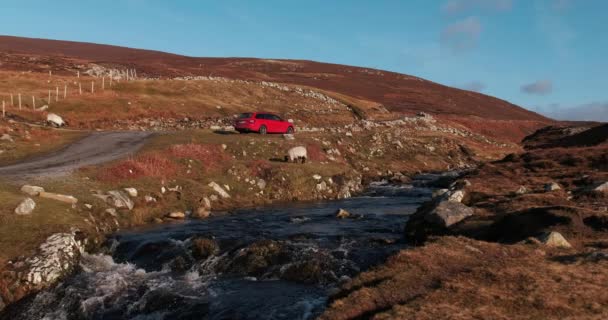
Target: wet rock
342	214
602	187
289	137
31	190
554	239
257	258
552	187
207	203
132	192
176	215
447	213
58	197
440	192
55	120
202	248
217	188
455	196
201	213
56	257
25	207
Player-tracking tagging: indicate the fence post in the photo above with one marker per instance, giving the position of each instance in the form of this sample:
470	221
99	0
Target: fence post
78	74
79	88
3	110
103	83
65	91
12	102
20	101
33	103
92	86
49	100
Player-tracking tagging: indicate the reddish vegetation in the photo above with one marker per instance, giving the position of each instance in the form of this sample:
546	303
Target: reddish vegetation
145	165
315	153
397	92
210	156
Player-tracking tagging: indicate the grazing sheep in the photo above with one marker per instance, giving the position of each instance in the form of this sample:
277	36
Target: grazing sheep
296	154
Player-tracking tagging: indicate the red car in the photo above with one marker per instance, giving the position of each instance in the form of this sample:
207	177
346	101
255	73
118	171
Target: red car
262	122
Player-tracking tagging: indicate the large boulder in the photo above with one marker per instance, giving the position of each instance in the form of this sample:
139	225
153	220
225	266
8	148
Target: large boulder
448	213
55	120
202	248
25	207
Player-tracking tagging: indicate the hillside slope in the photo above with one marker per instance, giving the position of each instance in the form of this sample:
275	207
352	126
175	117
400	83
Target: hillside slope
397	92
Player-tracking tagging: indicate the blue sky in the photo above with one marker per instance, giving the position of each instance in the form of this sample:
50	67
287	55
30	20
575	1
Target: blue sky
545	55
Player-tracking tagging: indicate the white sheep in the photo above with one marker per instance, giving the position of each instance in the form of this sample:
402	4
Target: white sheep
296	154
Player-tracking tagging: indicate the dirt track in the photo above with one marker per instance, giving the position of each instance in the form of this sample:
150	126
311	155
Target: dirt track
96	148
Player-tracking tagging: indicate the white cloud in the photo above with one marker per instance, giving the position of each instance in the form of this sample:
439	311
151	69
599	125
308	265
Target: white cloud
541	87
462	35
596	111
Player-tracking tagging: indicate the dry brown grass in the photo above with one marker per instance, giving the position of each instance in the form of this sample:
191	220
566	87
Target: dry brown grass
457	278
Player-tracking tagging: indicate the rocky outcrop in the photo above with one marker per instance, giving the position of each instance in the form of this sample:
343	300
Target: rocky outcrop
448	213
54	259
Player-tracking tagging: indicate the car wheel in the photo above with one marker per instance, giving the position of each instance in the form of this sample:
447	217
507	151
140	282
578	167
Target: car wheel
263	130
290	130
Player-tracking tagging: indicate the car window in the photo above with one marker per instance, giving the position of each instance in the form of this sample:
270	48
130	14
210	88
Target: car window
261	116
244	116
275	117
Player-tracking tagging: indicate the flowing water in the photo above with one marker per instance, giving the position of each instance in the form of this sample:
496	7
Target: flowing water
279	262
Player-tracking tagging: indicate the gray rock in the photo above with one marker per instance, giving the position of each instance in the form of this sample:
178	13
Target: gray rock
289	136
217	188
261	184
207	203
447	213
149	199
119	199
6	137
25	207
342	214
552	187
554	239
521	190
602	187
455	196
56	257
132	192
177	215
32	190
